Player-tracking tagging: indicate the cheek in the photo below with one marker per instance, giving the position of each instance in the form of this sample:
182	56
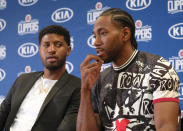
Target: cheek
108	43
62	53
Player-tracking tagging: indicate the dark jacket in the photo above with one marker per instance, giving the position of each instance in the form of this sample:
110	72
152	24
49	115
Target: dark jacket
59	110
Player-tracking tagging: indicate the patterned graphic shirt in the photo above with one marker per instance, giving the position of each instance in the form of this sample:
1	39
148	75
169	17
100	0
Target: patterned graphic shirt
124	96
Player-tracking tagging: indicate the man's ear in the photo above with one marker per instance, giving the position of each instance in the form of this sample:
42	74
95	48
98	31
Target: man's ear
68	50
125	33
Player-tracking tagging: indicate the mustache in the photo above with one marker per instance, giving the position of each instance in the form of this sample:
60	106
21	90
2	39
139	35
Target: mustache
99	49
49	57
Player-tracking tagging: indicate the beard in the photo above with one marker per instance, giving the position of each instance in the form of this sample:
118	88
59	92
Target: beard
109	57
56	65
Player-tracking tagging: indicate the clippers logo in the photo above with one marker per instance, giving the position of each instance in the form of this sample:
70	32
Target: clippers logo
176	31
1	99
181	91
137	4
91	41
175	6
104	66
26	70
28	26
28	50
72	43
2	74
94	13
177	62
2	52
143	33
27	2
62	15
69	67
3	4
2	24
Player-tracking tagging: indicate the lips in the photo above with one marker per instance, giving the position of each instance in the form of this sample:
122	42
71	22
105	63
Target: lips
99	51
52	58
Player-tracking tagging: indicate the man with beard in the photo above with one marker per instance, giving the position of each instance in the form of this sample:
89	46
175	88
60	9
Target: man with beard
48	100
139	92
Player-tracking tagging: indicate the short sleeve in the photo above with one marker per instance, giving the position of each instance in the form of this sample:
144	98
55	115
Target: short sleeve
164	81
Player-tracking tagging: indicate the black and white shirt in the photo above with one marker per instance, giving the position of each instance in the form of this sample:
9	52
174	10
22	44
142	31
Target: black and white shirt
124	96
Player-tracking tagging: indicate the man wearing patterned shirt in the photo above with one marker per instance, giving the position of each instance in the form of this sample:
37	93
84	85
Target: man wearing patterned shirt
139	92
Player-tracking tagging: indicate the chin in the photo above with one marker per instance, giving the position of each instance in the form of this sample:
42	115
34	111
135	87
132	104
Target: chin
52	67
106	61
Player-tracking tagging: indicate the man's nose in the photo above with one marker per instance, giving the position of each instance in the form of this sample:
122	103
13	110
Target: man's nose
97	41
52	48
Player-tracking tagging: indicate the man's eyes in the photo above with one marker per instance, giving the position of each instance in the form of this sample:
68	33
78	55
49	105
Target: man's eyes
46	44
56	44
103	33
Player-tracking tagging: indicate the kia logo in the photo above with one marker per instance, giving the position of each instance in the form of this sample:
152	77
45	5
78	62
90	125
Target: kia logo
137	4
28	50
91	41
27	2
176	31
69	67
2	24
62	15
2	74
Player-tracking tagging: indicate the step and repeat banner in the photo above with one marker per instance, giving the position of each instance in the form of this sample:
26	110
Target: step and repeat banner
159	30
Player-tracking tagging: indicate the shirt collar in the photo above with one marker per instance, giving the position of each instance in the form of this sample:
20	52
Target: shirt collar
117	68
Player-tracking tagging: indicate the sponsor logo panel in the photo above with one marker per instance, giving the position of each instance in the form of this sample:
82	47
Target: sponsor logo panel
29	26
27	69
175	6
143	33
69	67
104	66
72	43
3	4
27	2
2	24
176	31
2	74
28	50
94	13
177	61
62	15
91	41
2	52
181	91
138	4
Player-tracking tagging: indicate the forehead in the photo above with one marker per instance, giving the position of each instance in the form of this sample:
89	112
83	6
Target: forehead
103	22
52	36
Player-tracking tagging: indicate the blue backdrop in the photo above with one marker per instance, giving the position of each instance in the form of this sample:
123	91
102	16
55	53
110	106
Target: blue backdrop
159	30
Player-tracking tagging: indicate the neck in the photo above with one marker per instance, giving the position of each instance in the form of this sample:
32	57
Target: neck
53	74
124	55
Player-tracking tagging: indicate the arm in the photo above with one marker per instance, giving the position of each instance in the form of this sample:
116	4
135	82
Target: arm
166	116
87	120
5	107
69	121
4	111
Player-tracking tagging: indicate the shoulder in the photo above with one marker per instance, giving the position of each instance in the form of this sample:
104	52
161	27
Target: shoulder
71	80
74	79
153	60
148	56
30	75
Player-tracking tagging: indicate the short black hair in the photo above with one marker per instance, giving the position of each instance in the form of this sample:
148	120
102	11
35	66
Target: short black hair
124	19
55	29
